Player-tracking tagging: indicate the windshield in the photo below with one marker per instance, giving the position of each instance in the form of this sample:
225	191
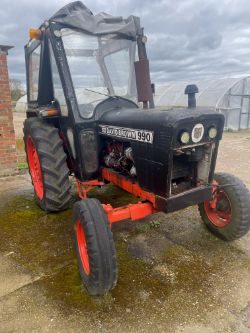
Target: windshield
99	65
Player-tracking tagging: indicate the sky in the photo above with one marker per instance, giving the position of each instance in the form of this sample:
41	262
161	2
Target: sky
187	39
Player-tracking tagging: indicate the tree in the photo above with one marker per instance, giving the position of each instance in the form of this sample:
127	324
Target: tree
16	89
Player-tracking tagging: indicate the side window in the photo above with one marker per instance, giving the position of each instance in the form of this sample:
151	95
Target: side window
58	89
34	67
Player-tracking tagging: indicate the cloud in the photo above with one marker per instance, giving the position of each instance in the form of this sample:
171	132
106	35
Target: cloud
188	39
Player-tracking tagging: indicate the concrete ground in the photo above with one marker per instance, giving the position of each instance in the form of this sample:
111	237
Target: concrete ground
174	275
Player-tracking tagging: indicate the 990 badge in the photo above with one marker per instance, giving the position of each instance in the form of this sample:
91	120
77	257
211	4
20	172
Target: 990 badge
197	133
127	133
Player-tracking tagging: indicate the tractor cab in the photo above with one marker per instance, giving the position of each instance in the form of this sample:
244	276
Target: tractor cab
76	60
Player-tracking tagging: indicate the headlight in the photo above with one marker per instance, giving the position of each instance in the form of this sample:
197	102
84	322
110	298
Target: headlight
184	137
212	132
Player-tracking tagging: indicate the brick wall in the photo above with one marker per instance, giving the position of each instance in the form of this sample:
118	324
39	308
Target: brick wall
8	153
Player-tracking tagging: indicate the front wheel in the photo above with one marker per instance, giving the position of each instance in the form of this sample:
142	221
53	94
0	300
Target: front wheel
94	247
227	215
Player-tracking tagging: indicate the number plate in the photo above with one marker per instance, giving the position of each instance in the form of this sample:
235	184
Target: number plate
127	133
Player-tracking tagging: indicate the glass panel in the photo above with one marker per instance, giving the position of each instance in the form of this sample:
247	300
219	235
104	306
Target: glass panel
243	121
247	86
237	89
224	102
99	66
118	68
235	102
81	52
34	67
245	105
57	84
233	119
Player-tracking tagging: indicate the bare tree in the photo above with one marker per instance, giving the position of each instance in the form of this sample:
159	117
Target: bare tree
16	88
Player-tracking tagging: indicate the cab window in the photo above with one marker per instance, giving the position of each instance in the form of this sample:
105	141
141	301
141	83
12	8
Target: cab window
34	68
57	84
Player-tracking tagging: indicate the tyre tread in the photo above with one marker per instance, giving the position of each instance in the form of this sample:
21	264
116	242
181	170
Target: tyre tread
53	164
101	249
240	195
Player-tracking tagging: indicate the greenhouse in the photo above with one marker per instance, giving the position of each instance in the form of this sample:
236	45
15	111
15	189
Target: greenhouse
21	104
230	96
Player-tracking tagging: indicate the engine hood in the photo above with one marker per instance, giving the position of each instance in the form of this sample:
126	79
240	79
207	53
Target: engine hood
158	117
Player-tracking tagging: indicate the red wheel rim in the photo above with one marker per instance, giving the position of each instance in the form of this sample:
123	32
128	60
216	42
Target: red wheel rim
82	246
35	168
218	210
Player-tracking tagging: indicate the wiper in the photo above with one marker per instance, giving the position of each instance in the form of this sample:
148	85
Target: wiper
99	93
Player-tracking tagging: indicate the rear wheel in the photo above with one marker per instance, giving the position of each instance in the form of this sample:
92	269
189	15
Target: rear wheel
94	247
47	165
228	213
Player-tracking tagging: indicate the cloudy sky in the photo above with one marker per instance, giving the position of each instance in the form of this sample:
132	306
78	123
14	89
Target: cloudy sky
187	39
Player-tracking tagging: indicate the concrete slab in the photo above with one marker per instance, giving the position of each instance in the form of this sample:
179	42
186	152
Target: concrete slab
174	276
12	276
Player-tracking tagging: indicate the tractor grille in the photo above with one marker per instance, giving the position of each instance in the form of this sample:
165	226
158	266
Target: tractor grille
180	170
184	174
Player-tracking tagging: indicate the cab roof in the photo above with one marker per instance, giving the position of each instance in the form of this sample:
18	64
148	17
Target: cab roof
76	15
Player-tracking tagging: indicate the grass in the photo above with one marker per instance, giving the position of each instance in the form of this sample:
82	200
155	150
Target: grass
22	166
143	228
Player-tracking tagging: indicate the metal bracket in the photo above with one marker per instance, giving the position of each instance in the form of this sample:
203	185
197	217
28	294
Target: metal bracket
84	187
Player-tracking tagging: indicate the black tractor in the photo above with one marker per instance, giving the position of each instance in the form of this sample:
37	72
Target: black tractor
91	114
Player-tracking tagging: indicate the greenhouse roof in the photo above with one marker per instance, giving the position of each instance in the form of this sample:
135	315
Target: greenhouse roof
211	92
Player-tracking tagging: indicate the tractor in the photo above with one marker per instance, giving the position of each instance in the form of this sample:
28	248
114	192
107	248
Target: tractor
91	115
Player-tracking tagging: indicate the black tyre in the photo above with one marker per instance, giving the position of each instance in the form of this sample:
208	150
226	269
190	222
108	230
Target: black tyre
227	215
47	165
94	245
